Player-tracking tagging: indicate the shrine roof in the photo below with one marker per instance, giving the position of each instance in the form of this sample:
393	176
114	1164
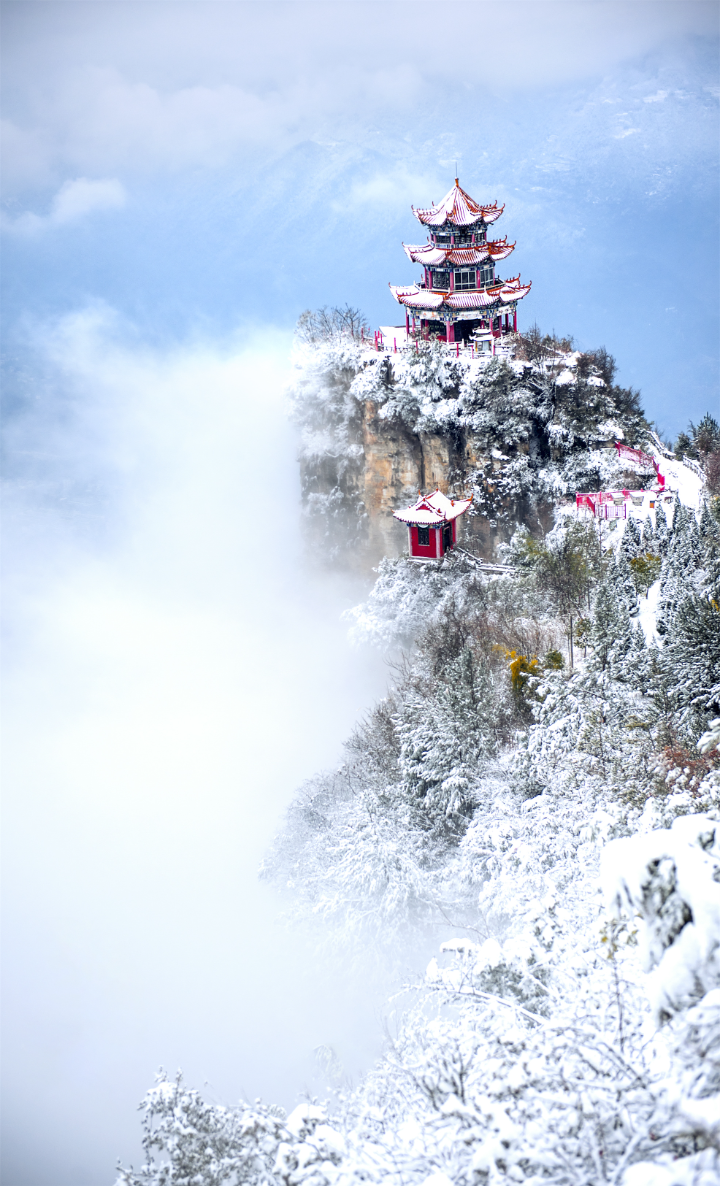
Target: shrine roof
422	298
429	253
458	208
433	510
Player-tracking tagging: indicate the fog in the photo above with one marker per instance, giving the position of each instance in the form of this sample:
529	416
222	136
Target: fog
174	663
174	667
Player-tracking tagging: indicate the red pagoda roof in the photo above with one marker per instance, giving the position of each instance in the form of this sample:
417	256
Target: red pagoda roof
502	293
428	253
434	510
458	208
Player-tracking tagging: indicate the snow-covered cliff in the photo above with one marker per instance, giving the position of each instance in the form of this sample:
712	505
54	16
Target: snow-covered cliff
520	435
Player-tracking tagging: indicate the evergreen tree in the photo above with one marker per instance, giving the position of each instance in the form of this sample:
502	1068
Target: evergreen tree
678	511
691	658
637	667
709	526
672	592
621	577
623	652
607	624
631	544
649	542
662	532
441	740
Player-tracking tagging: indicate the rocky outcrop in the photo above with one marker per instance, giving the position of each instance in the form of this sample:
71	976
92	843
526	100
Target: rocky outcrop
376	431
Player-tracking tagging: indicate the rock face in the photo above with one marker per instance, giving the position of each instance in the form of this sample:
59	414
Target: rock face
375	430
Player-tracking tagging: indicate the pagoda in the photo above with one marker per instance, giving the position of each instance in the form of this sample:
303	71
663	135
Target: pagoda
432	524
459	295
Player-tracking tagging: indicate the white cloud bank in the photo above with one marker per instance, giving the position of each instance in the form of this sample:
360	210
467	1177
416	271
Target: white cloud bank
171	673
107	88
73	201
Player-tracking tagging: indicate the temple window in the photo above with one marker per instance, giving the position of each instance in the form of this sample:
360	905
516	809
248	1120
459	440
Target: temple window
441	280
465	279
424	537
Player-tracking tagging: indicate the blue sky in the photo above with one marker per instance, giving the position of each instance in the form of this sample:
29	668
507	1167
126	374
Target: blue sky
199	167
181	180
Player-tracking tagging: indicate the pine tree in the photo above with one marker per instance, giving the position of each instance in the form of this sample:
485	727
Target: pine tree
709	527
649	538
691	658
610	626
441	740
662	532
621	577
678	511
672	593
631	544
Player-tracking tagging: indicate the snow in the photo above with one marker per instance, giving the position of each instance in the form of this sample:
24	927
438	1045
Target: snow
394	335
303	1117
436	508
575	835
681	478
648	614
711	739
672	878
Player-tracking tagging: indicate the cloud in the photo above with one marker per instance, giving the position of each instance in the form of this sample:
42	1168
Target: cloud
74	200
79	197
391	188
173	670
104	89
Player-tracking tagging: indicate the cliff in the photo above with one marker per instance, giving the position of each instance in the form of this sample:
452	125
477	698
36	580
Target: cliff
520	434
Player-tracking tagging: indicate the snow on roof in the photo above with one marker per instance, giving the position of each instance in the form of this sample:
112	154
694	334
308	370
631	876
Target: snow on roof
423	298
458	208
429	253
394	333
416	298
434	510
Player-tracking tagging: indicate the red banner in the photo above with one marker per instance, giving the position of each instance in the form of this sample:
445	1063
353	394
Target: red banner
636	455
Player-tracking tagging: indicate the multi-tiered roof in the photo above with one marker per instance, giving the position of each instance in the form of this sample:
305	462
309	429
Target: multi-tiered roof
459	282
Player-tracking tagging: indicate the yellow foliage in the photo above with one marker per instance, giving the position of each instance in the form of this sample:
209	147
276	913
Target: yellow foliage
521	667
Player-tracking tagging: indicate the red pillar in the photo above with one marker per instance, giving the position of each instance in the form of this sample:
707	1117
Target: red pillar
514	321
449	331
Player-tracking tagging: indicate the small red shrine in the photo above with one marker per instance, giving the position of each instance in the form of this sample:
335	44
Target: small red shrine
432	524
459	293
